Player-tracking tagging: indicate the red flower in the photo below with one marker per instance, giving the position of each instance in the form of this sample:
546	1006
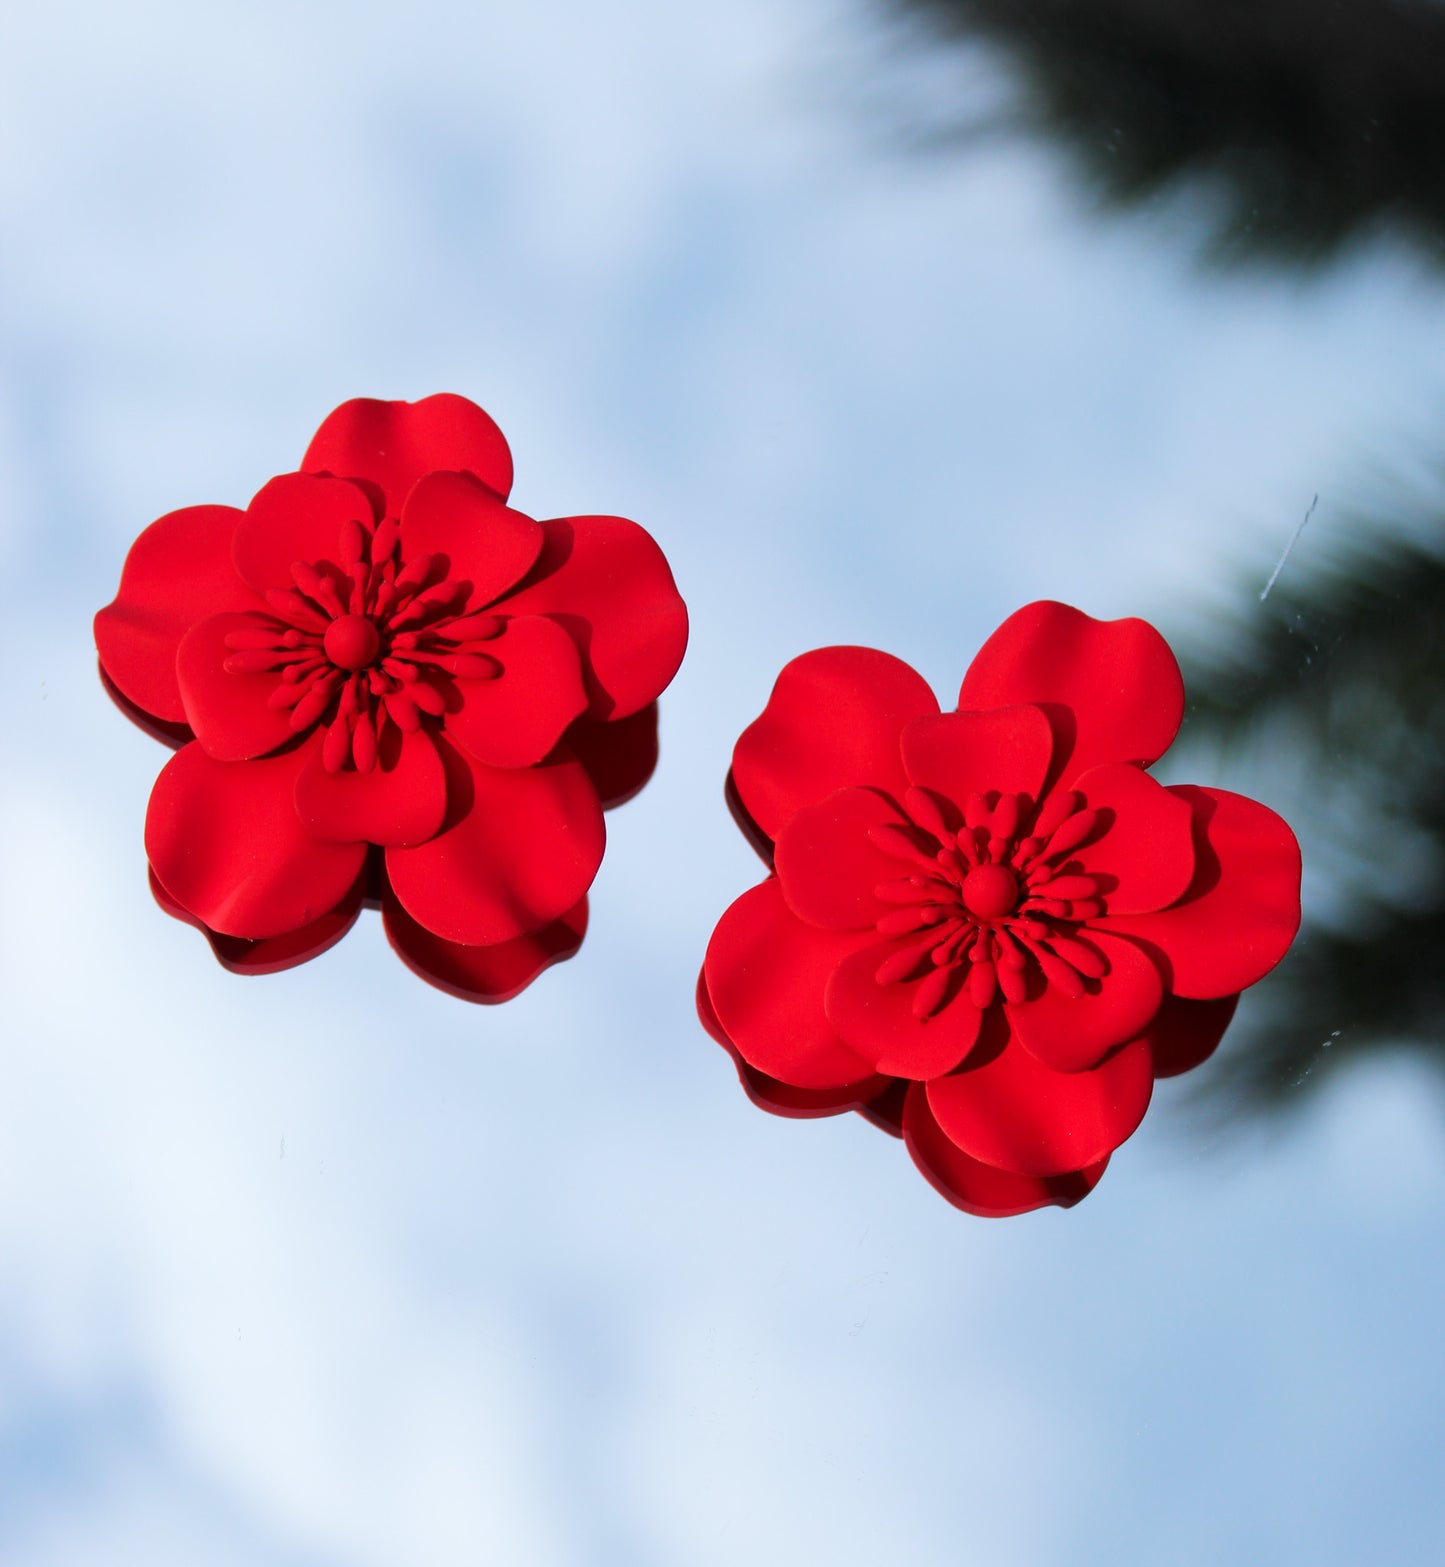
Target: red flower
990	930
386	683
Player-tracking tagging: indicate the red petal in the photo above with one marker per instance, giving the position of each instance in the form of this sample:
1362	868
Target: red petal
1184	1034
275	953
1242	909
980	1189
518	849
1073	1035
827	865
833	721
765	972
877	1024
1007	1109
295	517
608	583
178	571
778	1098
226	842
959	754
1112	688
172	735
402	801
393	444
516	719
485	974
228	712
1142	847
484	542
620	756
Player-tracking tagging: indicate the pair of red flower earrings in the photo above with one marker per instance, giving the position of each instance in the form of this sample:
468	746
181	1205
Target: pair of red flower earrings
988	931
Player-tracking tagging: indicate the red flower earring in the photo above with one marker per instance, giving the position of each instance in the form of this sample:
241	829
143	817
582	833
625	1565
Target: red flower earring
385	682
990	931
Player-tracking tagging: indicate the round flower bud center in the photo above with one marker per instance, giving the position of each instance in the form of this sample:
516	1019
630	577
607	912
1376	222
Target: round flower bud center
990	891
352	642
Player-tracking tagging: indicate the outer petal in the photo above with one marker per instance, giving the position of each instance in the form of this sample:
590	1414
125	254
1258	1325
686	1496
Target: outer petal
394	444
1073	1035
1242	909
959	754
275	953
608	583
225	841
401	802
1112	688
296	517
483	540
1184	1034
1007	1109
1142	848
834	720
779	1098
758	840
980	1189
228	712
177	572
485	974
619	757
828	866
877	1024
516	719
765	973
517	850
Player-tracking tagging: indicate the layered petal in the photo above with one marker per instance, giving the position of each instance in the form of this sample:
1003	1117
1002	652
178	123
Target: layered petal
1242	908
765	971
1112	688
880	1025
296	517
482	540
1184	1034
774	1096
1007	1109
227	710
1073	1033
834	720
226	842
605	580
619	756
960	754
393	444
1142	848
517	850
275	953
977	1188
515	719
485	974
828	866
177	572
401	802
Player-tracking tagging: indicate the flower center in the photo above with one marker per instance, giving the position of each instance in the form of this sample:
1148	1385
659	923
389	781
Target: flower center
364	640
991	905
351	642
990	891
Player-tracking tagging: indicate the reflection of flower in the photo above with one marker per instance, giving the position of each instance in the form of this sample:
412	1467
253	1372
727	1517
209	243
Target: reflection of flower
990	930
389	683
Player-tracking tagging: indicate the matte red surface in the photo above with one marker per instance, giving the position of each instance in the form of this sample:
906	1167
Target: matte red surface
378	655
996	913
